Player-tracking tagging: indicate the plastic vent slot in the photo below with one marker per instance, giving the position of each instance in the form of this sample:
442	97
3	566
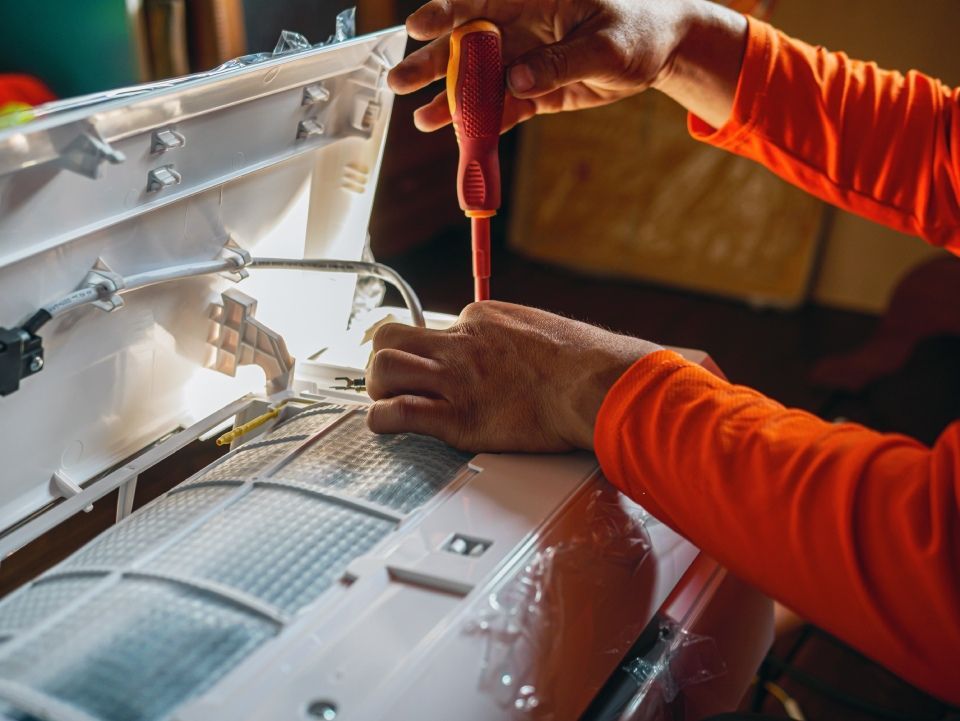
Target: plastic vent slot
401	472
137	651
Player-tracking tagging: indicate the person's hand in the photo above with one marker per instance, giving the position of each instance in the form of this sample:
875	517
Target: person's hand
504	378
559	54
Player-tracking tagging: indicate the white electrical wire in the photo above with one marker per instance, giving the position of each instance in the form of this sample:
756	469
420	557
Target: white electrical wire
99	291
376	270
162	275
77	298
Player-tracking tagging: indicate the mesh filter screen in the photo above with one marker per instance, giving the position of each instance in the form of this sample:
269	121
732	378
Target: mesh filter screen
137	651
34	603
310	544
251	458
125	542
402	471
179	593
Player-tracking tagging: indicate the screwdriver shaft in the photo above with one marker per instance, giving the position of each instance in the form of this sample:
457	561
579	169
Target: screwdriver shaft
480	237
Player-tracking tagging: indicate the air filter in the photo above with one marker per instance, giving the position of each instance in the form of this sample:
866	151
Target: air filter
161	606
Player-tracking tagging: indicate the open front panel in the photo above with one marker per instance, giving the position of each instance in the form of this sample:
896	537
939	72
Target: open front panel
157	609
243	174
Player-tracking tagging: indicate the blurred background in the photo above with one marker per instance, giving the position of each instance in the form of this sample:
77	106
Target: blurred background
617	217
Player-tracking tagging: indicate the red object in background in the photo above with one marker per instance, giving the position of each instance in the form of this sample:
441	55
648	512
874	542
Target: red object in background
23	90
475	92
924	305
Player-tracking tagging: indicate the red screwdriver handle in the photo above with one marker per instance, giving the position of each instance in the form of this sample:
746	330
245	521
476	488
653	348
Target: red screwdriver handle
475	92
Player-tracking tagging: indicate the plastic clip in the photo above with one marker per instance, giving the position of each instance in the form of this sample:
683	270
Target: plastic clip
108	285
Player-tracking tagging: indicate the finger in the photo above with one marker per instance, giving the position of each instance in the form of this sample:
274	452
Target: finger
421	67
516	111
419	341
441	16
411	414
395	373
434	115
549	67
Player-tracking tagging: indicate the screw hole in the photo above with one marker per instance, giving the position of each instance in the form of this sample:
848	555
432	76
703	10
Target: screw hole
323	710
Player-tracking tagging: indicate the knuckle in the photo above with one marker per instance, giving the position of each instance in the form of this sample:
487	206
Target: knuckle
382	366
555	61
471	311
385	336
406	409
464	425
610	48
383	363
375	418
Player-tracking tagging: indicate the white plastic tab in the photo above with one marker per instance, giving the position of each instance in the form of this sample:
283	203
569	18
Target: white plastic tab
309	128
87	153
164	140
240	339
66	487
108	285
316	93
162	177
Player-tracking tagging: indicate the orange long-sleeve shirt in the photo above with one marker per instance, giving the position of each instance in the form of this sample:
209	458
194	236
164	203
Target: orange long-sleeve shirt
857	531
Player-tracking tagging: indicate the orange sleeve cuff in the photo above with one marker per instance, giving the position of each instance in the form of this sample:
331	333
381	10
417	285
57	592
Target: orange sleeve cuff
641	391
758	61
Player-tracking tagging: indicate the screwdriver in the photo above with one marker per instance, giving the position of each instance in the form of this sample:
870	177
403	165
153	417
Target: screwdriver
475	91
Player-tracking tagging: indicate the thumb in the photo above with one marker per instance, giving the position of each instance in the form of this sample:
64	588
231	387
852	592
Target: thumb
550	67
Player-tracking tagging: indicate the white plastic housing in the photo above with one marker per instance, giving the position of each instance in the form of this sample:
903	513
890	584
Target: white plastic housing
114	383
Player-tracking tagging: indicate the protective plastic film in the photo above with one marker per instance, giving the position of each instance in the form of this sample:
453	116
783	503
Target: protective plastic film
401	471
136	651
281	545
678	660
557	604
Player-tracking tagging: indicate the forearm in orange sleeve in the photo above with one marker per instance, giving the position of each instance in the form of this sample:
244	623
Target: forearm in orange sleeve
855	530
880	144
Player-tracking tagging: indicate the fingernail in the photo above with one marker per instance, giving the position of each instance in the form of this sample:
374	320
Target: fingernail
521	78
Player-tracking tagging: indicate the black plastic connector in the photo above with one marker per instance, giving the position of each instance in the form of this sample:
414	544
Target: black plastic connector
21	355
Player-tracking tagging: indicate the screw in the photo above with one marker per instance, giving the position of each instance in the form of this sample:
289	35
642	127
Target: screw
323	710
36	363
